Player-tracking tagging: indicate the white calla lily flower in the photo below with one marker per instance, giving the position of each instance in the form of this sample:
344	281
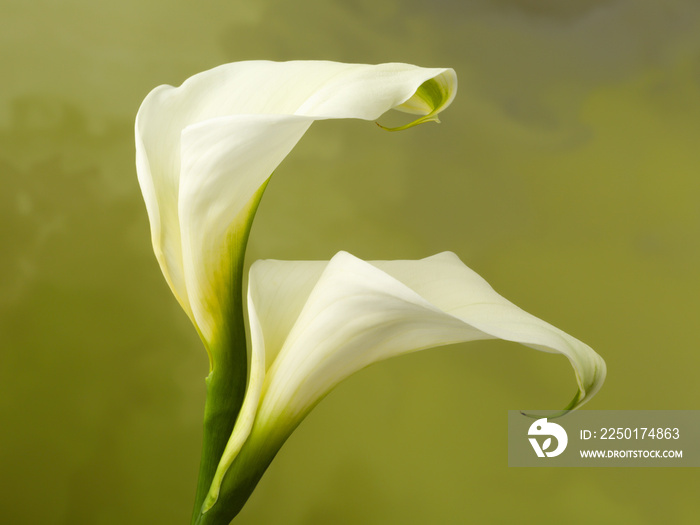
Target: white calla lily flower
315	323
205	150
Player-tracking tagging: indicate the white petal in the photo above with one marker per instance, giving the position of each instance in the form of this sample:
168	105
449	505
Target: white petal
457	290
315	323
225	161
205	147
359	313
157	168
277	292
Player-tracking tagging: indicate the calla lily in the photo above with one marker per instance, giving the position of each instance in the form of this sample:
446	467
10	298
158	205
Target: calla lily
315	323
205	150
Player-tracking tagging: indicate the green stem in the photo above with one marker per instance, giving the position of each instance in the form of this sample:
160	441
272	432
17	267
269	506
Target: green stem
225	391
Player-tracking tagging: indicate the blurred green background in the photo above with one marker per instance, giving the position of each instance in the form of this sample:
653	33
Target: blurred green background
566	173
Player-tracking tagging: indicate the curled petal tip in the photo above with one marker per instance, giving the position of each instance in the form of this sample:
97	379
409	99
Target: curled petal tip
416	122
573	404
431	97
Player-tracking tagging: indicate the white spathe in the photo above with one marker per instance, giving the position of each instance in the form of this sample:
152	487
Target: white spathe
205	149
315	323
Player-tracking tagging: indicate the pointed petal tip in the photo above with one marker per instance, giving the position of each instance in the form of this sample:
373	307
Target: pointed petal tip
582	396
412	124
573	405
